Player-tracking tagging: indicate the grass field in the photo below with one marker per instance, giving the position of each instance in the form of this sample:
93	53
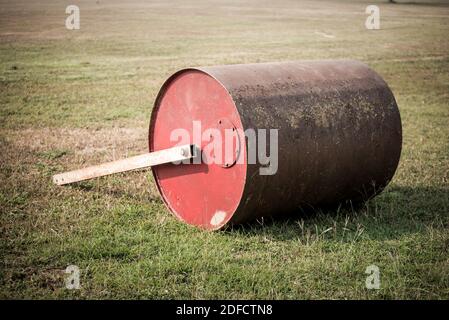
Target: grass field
73	98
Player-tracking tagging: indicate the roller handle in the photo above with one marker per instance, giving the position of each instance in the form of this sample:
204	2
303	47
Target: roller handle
151	159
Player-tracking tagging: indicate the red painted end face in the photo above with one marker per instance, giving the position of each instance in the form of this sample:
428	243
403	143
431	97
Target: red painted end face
193	104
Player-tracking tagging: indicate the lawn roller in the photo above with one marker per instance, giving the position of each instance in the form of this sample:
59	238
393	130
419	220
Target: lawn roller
337	128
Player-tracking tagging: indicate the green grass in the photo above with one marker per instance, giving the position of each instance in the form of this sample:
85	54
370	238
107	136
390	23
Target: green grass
72	98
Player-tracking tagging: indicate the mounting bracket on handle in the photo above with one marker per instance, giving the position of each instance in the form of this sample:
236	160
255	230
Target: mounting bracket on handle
138	162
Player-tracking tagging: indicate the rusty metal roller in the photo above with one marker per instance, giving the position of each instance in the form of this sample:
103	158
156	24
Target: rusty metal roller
339	138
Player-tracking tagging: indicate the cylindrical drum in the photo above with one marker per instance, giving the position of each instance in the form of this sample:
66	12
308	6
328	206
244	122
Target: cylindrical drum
331	132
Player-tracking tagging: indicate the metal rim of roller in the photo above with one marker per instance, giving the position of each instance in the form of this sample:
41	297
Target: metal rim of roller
204	195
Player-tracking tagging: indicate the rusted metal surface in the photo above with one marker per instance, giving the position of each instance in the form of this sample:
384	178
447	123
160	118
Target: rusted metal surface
339	132
339	138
